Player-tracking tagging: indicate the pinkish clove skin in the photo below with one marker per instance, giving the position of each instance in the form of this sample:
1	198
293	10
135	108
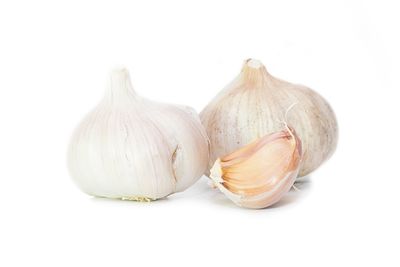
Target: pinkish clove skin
260	173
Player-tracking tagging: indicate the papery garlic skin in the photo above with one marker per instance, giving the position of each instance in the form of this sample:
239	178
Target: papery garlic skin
132	148
254	105
260	173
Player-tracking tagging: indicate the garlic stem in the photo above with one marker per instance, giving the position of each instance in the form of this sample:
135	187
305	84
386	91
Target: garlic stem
119	88
254	72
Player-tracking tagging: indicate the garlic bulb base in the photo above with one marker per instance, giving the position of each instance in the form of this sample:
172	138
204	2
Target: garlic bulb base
138	199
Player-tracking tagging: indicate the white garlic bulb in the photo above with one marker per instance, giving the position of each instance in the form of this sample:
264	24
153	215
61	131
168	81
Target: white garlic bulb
254	105
260	173
131	148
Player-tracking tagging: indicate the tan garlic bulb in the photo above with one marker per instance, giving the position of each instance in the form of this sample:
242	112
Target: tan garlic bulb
254	105
260	173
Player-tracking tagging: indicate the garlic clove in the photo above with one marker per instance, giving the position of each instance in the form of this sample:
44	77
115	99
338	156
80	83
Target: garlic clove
260	173
253	105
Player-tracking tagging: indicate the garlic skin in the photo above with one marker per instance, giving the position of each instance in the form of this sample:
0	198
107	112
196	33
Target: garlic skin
254	105
260	173
132	148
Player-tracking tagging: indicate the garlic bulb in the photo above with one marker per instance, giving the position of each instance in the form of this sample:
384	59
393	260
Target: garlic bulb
131	148
260	173
254	105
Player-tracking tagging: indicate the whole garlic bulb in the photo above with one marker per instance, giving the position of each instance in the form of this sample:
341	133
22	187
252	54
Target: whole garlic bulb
254	105
131	148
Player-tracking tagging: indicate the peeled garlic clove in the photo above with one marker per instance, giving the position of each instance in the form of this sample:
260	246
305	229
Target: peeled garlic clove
254	105
260	173
132	148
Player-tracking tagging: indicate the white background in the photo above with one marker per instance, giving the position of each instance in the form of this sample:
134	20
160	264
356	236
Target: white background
54	60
